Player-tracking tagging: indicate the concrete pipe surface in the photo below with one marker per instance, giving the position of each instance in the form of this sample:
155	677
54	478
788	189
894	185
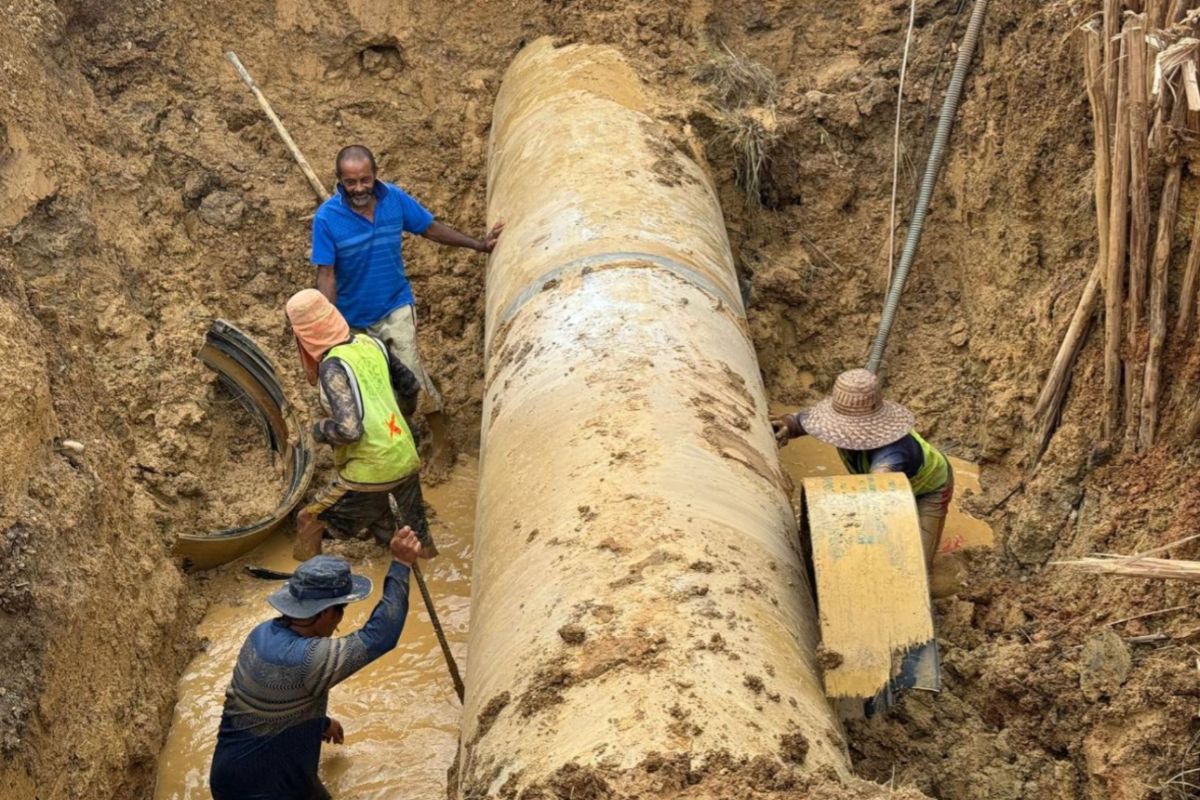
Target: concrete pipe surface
638	591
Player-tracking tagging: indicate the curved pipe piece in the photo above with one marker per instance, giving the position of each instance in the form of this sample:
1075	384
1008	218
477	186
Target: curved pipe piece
249	375
638	591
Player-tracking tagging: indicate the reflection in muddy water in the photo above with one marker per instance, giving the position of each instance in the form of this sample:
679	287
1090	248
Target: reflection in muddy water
400	714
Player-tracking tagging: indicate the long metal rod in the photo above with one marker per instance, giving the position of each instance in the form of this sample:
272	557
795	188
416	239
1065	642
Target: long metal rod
932	166
451	664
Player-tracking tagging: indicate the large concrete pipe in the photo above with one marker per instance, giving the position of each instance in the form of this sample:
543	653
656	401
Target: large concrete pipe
638	593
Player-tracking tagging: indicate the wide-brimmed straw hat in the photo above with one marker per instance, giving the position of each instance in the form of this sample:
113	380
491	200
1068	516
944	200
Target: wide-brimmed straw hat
318	327
855	416
317	584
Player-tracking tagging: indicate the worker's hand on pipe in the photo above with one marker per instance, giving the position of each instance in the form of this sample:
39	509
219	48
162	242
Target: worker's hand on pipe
779	427
786	428
489	241
405	546
333	732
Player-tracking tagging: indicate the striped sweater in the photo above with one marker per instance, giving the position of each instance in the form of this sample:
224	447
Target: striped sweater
269	742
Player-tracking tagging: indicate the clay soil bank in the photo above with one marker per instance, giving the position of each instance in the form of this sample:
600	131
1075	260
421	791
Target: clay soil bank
143	194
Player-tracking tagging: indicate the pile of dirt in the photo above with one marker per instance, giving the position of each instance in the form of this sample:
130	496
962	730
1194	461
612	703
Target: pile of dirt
220	463
142	194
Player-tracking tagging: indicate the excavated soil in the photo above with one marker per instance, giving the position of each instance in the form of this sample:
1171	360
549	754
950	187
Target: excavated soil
226	470
142	194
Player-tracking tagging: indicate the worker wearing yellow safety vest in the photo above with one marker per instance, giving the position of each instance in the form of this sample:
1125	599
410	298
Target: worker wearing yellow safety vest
373	447
875	435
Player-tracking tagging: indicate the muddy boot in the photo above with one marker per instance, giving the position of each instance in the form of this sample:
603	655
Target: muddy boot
307	543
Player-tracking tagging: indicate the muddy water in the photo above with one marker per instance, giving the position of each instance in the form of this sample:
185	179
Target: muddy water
400	714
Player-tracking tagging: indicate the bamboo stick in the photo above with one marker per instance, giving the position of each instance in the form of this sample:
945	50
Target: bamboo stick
1162	568
1176	10
1159	281
1192	428
1187	290
1114	288
1139	216
1112	27
317	187
1054	390
1156	13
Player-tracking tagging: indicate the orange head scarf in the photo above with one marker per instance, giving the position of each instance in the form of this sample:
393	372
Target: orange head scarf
317	325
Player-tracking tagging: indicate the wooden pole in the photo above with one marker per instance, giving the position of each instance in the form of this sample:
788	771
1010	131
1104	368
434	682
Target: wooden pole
1139	221
1187	291
1193	425
1159	281
313	181
1055	389
1161	568
1114	284
1112	28
1156	13
1057	380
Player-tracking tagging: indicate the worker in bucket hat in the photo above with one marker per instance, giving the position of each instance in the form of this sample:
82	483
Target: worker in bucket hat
876	435
366	395
269	742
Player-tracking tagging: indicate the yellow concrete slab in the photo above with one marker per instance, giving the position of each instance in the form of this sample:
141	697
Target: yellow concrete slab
872	589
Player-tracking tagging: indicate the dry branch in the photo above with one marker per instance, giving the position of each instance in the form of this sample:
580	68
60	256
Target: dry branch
1187	290
1159	281
1054	390
1139	208
1125	567
1192	428
1112	27
1146	614
1156	13
1114	288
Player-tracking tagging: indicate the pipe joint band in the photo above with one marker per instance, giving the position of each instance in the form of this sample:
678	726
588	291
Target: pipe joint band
634	260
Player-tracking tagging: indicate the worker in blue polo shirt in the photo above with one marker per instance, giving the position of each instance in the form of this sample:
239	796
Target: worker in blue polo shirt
356	247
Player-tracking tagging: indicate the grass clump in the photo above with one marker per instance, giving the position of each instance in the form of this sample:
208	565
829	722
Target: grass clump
744	93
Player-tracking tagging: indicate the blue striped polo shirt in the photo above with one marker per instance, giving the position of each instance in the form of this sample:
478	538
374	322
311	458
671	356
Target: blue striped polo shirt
365	255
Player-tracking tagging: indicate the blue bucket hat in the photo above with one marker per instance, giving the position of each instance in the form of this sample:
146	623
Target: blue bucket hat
317	584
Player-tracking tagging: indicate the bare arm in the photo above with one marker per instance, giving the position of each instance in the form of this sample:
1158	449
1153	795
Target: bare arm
327	283
331	661
444	234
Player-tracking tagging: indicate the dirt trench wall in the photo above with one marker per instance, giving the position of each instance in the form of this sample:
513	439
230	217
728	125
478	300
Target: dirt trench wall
93	618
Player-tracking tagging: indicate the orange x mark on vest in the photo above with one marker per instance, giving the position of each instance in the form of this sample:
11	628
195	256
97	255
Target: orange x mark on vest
394	429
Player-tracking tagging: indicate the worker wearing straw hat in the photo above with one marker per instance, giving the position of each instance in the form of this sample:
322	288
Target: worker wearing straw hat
875	435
